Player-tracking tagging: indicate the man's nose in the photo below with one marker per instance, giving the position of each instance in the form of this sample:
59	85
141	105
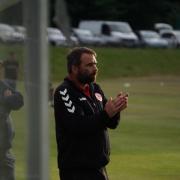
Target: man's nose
95	68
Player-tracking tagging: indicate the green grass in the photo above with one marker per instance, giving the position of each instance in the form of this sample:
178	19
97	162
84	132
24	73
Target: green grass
145	146
112	62
116	62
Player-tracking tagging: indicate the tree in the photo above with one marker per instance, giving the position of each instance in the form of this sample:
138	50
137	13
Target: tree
139	13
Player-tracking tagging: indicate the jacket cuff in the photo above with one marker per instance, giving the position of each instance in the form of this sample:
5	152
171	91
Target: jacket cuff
105	117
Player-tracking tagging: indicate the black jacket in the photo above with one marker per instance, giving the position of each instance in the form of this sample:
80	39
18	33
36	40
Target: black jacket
81	127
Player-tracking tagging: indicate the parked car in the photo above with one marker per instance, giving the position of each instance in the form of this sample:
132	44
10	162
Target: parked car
149	38
55	36
8	34
124	31
162	26
86	37
21	30
172	36
74	40
116	30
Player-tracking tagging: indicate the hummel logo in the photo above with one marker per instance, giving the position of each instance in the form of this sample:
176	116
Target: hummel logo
63	92
67	102
66	98
83	99
71	110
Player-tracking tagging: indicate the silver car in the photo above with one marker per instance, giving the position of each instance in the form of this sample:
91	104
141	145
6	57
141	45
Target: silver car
86	37
8	34
152	39
172	36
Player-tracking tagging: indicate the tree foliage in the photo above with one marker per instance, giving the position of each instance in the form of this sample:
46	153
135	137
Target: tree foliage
139	13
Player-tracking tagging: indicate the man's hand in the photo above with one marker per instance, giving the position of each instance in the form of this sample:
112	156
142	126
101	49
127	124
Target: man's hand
7	92
124	100
114	106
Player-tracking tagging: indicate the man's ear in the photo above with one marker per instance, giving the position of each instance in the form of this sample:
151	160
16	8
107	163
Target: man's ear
74	69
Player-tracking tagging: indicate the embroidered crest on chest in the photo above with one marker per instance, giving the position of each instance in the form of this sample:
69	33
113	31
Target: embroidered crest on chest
98	96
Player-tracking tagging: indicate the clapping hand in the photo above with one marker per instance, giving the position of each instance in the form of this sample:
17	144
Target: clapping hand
116	105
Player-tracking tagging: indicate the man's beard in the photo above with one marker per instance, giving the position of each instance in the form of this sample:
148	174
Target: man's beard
86	78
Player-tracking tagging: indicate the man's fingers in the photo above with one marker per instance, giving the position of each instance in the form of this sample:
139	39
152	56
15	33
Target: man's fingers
116	105
126	94
121	103
119	94
123	94
119	100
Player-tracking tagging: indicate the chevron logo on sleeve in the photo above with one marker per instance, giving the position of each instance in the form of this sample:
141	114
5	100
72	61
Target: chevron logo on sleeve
63	92
67	102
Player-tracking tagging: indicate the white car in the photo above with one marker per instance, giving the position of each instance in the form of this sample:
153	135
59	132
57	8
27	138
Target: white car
74	40
123	31
172	36
114	31
55	36
21	30
8	34
162	26
150	38
86	37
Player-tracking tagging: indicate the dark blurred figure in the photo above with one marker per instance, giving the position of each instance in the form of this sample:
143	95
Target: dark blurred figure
9	100
11	67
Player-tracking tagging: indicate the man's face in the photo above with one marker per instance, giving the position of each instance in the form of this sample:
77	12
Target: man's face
87	70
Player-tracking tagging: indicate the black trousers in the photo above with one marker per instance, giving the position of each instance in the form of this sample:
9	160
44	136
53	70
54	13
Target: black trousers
83	174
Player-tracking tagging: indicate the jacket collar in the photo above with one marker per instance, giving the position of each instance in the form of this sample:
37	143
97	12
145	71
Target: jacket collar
87	90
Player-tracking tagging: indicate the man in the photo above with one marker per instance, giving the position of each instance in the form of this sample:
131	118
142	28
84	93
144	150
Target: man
11	67
9	100
82	116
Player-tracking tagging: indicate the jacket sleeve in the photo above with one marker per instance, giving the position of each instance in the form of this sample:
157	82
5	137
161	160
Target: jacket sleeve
12	102
70	116
113	122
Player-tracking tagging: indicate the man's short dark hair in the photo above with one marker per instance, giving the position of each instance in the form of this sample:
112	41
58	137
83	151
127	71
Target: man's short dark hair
74	56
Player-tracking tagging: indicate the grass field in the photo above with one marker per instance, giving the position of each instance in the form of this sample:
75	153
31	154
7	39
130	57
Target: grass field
116	62
146	145
112	62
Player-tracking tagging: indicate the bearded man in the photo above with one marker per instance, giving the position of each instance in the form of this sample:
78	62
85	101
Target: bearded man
83	115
